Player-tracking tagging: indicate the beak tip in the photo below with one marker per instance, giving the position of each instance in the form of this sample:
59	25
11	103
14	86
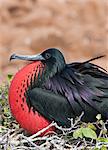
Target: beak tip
12	57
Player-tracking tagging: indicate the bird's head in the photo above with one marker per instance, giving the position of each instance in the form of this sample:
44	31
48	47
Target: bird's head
52	58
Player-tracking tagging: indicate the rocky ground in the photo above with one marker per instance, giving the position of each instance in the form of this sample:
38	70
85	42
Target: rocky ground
77	27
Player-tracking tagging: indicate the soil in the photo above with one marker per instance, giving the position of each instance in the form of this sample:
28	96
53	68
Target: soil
77	27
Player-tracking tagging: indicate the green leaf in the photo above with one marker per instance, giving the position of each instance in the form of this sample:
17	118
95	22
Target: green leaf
98	117
78	133
91	126
84	132
101	122
103	148
101	139
89	133
9	76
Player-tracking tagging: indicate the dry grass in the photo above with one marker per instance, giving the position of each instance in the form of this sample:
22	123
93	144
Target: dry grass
14	139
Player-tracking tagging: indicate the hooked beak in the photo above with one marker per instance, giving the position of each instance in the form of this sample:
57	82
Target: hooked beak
27	57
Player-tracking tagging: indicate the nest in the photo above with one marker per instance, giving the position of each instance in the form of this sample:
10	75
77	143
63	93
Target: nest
16	139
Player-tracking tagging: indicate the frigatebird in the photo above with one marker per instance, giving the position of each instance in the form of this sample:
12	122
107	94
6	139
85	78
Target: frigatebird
47	89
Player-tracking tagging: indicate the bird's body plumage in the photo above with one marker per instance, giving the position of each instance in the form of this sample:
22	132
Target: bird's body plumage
51	90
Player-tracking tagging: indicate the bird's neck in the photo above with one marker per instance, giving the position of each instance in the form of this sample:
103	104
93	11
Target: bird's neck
53	68
48	72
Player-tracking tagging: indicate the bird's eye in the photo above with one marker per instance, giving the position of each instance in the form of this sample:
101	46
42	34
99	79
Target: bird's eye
47	55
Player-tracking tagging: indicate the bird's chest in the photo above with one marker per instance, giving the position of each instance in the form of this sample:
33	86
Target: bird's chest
29	120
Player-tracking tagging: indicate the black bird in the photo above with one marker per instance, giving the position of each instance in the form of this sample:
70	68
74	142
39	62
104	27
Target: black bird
59	91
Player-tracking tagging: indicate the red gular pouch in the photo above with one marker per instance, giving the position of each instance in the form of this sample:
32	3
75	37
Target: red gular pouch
30	120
